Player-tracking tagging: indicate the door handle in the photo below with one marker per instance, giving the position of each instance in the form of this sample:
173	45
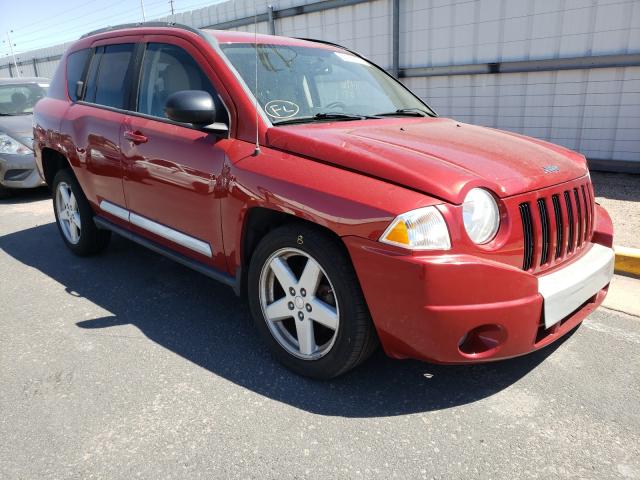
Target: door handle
135	137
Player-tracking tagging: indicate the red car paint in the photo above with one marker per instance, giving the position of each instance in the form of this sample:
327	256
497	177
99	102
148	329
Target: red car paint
352	178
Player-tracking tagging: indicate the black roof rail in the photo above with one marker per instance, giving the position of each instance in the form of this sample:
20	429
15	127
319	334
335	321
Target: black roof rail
141	25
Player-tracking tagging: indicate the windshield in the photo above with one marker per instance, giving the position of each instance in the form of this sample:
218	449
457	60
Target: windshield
19	99
307	83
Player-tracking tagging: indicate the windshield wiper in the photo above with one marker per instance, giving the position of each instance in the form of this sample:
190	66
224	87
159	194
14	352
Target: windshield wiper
325	116
410	112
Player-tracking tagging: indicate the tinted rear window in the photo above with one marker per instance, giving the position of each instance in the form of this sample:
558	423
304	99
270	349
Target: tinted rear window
76	63
109	76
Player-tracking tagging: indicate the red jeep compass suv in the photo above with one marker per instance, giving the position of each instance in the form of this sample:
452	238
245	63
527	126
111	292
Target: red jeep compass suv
307	178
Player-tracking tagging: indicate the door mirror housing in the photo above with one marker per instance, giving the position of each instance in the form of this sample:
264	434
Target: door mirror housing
191	106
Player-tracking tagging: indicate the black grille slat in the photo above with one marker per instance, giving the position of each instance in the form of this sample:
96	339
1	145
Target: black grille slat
567	201
580	232
527	229
546	236
559	224
592	205
587	214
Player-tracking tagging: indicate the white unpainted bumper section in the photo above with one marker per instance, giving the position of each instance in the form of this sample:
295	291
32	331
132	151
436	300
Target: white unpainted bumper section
566	289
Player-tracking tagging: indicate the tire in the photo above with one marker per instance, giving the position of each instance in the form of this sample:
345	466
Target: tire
80	235
332	298
5	192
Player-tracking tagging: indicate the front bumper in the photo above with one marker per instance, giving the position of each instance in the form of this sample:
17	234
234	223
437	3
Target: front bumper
19	171
458	308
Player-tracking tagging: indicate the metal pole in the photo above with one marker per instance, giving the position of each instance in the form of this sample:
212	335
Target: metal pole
395	55
172	11
271	20
142	8
12	53
35	67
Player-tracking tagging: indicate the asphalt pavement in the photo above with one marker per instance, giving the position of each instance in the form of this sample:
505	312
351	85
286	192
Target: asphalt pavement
127	365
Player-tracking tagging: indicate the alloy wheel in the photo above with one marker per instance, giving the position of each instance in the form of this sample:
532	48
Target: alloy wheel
68	213
299	304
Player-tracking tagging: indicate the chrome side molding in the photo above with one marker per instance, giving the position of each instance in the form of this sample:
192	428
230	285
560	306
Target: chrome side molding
115	210
156	228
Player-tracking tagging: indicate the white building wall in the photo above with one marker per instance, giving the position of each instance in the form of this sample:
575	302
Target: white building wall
595	111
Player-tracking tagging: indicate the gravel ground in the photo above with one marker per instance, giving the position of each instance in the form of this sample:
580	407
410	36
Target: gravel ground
127	365
619	193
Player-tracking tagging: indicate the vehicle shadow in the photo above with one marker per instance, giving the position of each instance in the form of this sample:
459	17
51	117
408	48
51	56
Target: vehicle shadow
203	322
26	196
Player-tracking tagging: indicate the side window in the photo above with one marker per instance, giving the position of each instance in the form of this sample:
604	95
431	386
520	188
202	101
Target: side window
109	74
76	63
92	73
167	69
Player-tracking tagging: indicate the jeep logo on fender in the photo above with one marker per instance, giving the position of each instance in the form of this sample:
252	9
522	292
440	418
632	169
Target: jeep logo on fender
281	109
551	169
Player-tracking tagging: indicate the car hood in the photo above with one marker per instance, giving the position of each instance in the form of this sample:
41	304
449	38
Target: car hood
19	127
438	156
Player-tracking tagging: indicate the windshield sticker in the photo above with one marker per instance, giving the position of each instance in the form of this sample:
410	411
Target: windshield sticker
43	85
350	58
281	109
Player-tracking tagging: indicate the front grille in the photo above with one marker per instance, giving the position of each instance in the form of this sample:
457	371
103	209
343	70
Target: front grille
560	225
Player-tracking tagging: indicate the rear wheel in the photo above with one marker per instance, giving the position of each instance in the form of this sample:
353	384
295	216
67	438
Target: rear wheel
306	301
74	217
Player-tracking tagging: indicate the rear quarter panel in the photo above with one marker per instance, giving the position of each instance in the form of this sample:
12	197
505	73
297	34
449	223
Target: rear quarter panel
47	118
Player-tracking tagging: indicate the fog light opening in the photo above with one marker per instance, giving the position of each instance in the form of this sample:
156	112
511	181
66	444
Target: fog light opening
482	341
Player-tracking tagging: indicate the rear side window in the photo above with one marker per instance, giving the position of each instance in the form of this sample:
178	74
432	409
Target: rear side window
110	75
76	63
167	69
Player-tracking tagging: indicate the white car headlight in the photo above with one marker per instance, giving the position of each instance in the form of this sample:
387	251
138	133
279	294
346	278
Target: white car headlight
481	215
421	229
11	145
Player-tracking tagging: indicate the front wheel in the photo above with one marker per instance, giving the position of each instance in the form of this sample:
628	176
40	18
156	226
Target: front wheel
75	217
306	301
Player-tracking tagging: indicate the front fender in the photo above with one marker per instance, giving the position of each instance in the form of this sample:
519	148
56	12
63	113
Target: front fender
345	202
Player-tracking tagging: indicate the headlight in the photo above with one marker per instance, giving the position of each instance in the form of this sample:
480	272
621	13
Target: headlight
481	215
11	145
421	229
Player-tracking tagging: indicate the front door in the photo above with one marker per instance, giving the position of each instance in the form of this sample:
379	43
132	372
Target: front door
171	169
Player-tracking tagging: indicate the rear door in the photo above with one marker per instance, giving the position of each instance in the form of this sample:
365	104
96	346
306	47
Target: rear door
95	121
172	169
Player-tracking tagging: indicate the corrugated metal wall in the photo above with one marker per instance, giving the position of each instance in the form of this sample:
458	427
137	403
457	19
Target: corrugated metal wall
595	111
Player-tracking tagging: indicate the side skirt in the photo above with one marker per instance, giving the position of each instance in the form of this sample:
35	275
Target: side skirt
222	277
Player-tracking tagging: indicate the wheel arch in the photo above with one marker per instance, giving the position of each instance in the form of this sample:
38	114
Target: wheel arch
52	162
259	221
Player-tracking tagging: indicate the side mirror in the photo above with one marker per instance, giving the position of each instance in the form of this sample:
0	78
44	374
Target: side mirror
191	106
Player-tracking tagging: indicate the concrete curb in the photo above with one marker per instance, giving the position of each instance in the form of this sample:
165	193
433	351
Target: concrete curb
628	260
